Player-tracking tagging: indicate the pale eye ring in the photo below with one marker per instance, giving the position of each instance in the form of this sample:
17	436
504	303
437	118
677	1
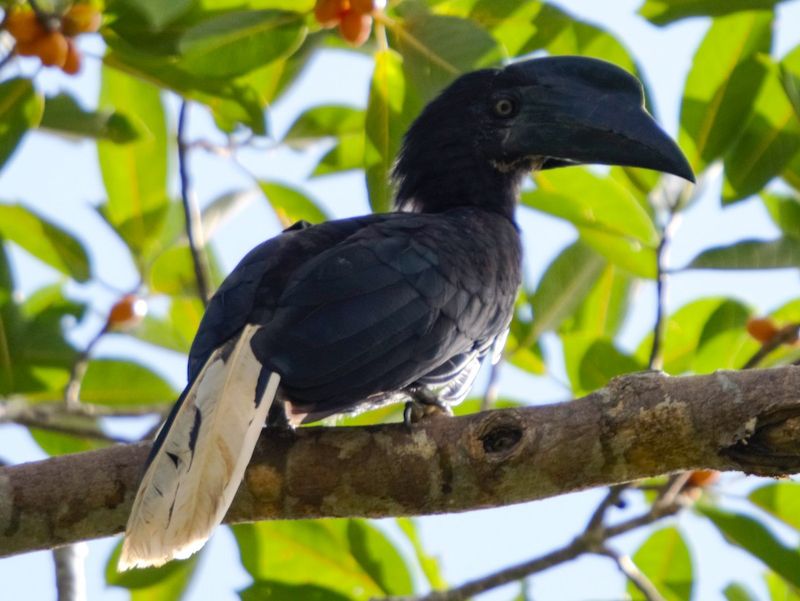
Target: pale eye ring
505	107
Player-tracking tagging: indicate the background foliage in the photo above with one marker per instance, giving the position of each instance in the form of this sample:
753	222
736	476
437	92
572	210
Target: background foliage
232	59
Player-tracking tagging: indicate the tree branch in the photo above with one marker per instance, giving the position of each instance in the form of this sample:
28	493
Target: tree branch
639	426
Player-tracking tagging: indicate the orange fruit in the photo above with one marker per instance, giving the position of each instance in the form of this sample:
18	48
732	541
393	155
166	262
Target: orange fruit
51	48
702	478
761	328
363	7
24	26
355	27
73	62
329	12
80	18
126	313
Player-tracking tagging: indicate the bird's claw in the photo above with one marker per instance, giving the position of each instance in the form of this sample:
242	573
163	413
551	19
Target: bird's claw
423	406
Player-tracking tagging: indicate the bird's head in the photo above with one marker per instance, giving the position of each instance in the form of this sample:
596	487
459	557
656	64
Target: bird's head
484	133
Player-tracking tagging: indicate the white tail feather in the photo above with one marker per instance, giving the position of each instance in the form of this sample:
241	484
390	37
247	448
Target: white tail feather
194	475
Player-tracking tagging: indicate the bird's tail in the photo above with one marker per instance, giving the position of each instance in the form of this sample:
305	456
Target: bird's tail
199	457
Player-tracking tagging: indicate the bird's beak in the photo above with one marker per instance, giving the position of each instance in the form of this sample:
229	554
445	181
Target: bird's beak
580	110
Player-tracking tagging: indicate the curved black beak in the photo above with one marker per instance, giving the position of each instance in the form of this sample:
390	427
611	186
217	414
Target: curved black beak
582	110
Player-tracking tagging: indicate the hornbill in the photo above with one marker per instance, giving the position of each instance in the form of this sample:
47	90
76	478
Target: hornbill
354	313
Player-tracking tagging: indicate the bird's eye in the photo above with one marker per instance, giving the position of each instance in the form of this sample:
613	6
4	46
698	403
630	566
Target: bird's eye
505	107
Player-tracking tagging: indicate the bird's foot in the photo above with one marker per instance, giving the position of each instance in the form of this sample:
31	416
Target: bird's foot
424	406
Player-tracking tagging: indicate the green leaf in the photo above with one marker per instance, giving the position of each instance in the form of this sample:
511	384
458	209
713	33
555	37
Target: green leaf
790	77
780	499
134	174
752	536
234	43
45	241
57	443
779	589
722	84
173	273
738	592
724	342
322	122
63	115
664	558
682	334
101	384
592	201
379	558
385	125
625	253
663	12
592	362
568	279
784	211
605	307
427	563
436	49
290	204
750	254
176	331
157	12
166	582
21	109
330	554
264	590
768	142
348	153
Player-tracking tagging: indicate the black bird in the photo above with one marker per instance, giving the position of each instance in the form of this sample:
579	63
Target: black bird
349	314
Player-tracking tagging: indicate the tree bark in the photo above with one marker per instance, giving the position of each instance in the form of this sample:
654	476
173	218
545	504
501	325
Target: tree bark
640	425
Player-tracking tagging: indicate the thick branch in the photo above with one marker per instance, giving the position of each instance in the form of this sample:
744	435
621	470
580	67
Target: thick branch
639	426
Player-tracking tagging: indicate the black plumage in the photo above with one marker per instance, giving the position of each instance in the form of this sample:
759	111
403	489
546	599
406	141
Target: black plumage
350	314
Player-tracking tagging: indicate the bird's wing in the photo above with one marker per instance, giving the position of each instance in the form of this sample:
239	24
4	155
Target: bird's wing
379	312
199	456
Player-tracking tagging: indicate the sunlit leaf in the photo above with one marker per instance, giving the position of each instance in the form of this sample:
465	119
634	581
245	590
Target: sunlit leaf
101	384
682	334
64	115
157	12
329	554
134	174
176	330
21	109
385	126
626	253
738	592
750	254
605	307
562	288
722	84
290	204
724	342
233	43
325	121
662	12
591	201
591	362
44	240
768	141
781	499
263	590
436	49
779	589
427	563
754	537
348	153
664	558
784	211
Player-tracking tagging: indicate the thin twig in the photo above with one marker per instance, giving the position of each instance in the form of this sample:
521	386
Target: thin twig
71	571
194	229
632	573
72	390
595	522
7	58
585	543
656	360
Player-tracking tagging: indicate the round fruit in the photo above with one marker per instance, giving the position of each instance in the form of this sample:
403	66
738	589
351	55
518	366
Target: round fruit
127	312
355	28
51	48
80	18
73	63
24	26
329	12
363	7
761	328
702	478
